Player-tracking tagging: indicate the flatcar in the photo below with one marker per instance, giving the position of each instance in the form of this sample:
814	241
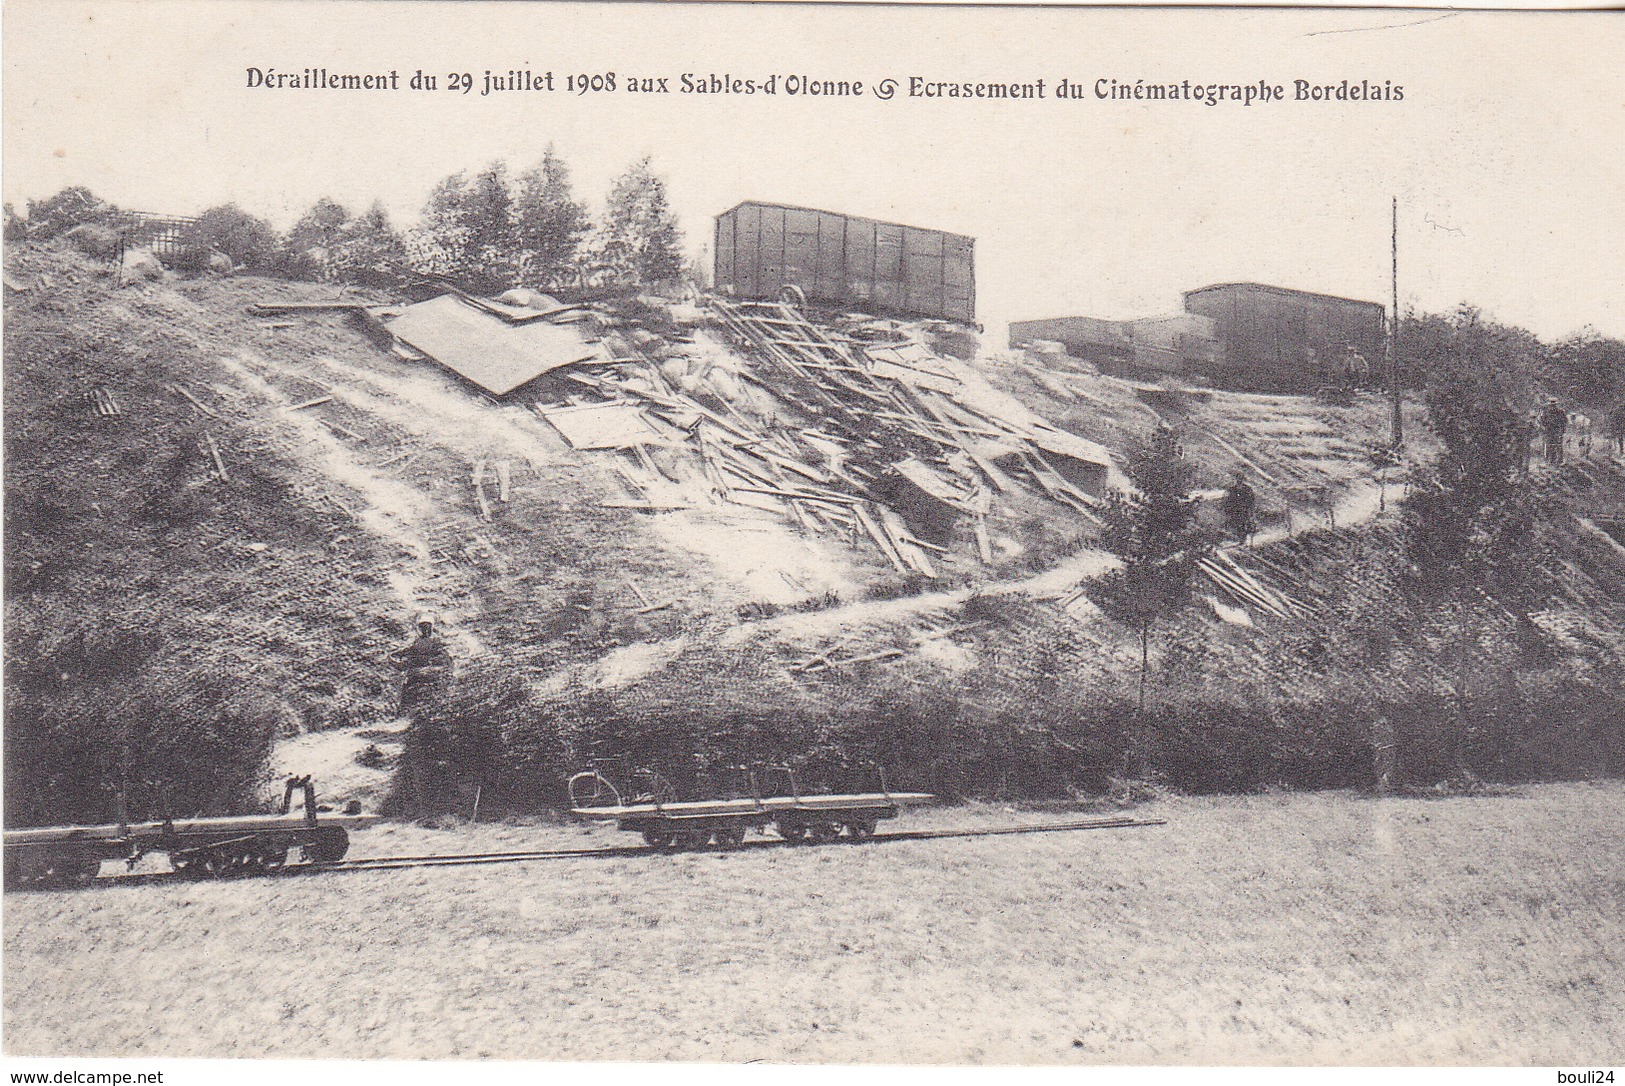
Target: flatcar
797	818
73	855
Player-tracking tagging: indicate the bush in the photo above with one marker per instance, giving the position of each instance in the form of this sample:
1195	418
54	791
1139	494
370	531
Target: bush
94	239
484	729
58	214
108	706
247	240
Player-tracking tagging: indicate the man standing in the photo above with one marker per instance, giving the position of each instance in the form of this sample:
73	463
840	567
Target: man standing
424	664
1239	505
1554	420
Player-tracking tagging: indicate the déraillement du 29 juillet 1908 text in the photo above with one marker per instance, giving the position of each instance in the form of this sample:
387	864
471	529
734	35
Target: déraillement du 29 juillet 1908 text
523	81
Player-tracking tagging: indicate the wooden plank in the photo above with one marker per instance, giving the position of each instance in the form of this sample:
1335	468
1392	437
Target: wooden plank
893	526
194	401
342	431
214	451
1241	456
319	400
984	546
504	481
798	495
999	479
880	538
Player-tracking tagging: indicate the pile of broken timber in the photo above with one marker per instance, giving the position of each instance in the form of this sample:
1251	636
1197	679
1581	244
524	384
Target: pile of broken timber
836	381
748	466
837	474
1246	589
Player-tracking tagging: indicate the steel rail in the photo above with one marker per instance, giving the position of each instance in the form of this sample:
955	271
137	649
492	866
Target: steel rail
463	859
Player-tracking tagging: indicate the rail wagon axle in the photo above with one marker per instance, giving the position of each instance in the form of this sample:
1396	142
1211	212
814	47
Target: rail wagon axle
73	855
668	823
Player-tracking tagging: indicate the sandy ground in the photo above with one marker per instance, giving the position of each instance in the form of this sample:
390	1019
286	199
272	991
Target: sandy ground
1281	928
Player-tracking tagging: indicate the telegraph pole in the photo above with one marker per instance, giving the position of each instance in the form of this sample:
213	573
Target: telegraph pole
1398	427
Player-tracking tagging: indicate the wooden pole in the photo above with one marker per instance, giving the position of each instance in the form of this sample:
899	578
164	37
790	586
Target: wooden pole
1393	332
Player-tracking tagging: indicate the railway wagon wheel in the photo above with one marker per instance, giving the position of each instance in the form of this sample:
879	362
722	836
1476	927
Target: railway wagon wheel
730	835
858	829
824	832
657	838
52	868
327	845
794	833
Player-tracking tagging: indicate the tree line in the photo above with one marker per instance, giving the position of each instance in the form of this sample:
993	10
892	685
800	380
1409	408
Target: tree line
488	230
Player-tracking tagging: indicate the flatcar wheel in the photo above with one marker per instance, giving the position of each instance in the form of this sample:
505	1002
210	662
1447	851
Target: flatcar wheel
860	828
328	845
794	833
823	832
274	858
730	837
657	838
693	839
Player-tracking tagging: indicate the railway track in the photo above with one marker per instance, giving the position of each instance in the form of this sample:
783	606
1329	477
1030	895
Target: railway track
392	863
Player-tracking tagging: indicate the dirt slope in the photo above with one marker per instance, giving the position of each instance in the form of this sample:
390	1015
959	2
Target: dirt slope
347	505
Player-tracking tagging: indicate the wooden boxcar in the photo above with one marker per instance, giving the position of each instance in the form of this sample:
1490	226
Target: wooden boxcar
1276	338
844	260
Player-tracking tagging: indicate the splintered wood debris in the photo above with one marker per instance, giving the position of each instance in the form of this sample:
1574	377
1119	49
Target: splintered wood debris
102	402
872	441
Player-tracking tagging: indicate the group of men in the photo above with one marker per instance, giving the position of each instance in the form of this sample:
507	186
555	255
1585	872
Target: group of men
1555	424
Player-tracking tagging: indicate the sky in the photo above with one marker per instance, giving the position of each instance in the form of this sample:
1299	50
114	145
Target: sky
1506	154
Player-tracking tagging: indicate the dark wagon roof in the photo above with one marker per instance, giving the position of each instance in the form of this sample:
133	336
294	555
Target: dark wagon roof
842	215
1283	290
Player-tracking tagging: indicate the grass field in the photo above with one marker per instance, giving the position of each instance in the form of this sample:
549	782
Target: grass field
1290	928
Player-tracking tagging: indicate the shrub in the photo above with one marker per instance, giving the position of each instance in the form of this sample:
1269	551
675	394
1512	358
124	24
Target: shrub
247	240
109	706
72	206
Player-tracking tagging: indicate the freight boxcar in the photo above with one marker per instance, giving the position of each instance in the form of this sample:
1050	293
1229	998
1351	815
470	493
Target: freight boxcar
1276	338
844	260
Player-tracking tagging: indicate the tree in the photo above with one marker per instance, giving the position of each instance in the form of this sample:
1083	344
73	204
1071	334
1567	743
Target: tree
1471	526
440	243
1153	531
369	250
467	231
640	241
548	222
312	241
62	212
488	222
246	239
1591	367
16	226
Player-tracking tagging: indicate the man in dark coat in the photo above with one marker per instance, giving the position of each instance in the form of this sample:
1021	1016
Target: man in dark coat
1554	420
1239	506
424	664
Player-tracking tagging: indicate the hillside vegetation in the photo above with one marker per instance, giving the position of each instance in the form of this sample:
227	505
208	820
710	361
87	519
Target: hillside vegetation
224	566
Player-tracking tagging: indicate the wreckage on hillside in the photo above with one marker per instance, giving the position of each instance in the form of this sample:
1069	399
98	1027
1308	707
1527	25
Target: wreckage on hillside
865	433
